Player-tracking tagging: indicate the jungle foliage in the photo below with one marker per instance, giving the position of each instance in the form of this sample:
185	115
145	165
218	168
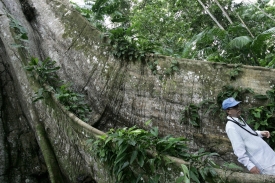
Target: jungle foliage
137	155
212	30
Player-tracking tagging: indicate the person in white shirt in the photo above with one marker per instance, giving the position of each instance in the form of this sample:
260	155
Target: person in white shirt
252	151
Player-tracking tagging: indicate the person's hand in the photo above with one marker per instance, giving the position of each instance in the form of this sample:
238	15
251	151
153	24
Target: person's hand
255	170
265	134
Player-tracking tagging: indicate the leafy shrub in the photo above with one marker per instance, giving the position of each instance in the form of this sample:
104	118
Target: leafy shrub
45	73
73	102
128	155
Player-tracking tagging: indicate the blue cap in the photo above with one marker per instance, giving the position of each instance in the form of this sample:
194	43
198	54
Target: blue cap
229	102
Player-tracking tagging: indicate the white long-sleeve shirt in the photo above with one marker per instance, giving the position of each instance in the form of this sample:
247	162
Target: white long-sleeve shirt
251	150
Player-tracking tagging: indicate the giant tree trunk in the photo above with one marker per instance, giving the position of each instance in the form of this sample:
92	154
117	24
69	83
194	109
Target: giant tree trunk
38	141
20	156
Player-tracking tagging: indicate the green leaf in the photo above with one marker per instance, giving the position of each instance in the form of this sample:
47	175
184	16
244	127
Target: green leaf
175	68
194	176
123	166
141	160
119	176
233	166
132	142
155	178
240	42
259	41
174	62
24	36
152	164
16	45
202	173
148	122
257	125
137	131
186	177
120	157
260	97
154	131
134	156
181	179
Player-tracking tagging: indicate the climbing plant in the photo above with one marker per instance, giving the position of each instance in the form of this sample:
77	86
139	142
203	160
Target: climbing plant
73	102
230	91
20	31
190	115
128	154
262	116
165	72
45	73
234	73
122	44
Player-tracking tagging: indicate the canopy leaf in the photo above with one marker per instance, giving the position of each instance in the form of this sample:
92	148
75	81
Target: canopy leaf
240	42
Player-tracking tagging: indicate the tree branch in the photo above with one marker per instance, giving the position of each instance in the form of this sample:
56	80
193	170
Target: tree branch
224	12
209	13
245	25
